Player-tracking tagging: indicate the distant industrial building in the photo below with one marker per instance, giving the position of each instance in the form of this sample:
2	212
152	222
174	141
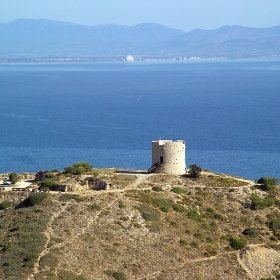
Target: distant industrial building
130	58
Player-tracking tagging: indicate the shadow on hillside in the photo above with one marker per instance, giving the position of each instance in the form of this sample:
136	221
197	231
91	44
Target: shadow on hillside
22	204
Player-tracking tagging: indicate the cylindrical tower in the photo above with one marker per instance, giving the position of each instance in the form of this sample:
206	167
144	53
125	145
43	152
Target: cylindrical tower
168	157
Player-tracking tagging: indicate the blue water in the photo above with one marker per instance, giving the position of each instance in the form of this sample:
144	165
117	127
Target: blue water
53	115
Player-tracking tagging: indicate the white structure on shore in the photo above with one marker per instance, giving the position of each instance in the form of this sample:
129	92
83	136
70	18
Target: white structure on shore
168	157
130	58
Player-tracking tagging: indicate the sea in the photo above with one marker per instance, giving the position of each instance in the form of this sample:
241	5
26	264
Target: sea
108	113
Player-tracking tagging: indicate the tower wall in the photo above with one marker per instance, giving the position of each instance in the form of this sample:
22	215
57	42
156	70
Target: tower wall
169	157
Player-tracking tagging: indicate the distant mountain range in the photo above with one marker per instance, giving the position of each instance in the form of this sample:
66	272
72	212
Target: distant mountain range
45	38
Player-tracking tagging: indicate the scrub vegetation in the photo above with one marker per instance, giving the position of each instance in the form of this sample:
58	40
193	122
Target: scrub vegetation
153	226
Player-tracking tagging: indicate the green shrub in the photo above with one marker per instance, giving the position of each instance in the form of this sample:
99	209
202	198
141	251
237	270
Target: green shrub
183	242
162	203
119	275
149	213
277	202
218	216
5	204
13	177
157	189
194	244
175	224
237	243
51	175
211	252
178	190
121	205
78	168
251	231
194	171
48	185
268	183
178	208
194	215
260	203
36	198
211	210
165	209
124	218
274	224
95	207
115	274
198	235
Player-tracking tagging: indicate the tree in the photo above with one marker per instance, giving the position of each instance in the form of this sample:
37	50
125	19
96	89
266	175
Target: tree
13	177
260	203
268	183
251	231
78	168
36	198
194	171
48	185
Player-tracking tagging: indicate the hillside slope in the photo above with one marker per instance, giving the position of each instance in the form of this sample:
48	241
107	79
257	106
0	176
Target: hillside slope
144	226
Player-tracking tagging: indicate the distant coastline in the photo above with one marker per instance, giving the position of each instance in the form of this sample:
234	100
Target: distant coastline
122	59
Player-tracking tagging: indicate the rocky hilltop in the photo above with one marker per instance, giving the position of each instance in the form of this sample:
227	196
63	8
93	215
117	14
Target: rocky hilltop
141	226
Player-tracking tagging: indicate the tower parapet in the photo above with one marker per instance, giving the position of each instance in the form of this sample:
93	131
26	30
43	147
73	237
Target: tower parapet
168	157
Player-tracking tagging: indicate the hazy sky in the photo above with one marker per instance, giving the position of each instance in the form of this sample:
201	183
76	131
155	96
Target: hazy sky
182	14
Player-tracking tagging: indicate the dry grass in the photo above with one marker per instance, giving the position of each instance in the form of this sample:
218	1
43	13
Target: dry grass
146	233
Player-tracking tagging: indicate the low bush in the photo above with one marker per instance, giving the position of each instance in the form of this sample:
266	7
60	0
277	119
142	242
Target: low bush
165	209
237	243
117	275
48	185
194	215
174	224
251	231
268	183
5	204
121	205
194	171
183	242
78	168
178	208
211	252
95	207
260	203
164	204
51	175
274	224
219	216
178	190
157	189
149	213
36	199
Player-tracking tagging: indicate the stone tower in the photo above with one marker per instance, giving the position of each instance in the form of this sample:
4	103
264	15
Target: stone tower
168	157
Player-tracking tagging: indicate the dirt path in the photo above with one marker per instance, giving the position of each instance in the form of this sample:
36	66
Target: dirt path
46	249
202	259
23	184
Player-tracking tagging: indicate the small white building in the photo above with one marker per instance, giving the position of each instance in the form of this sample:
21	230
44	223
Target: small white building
168	157
130	58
